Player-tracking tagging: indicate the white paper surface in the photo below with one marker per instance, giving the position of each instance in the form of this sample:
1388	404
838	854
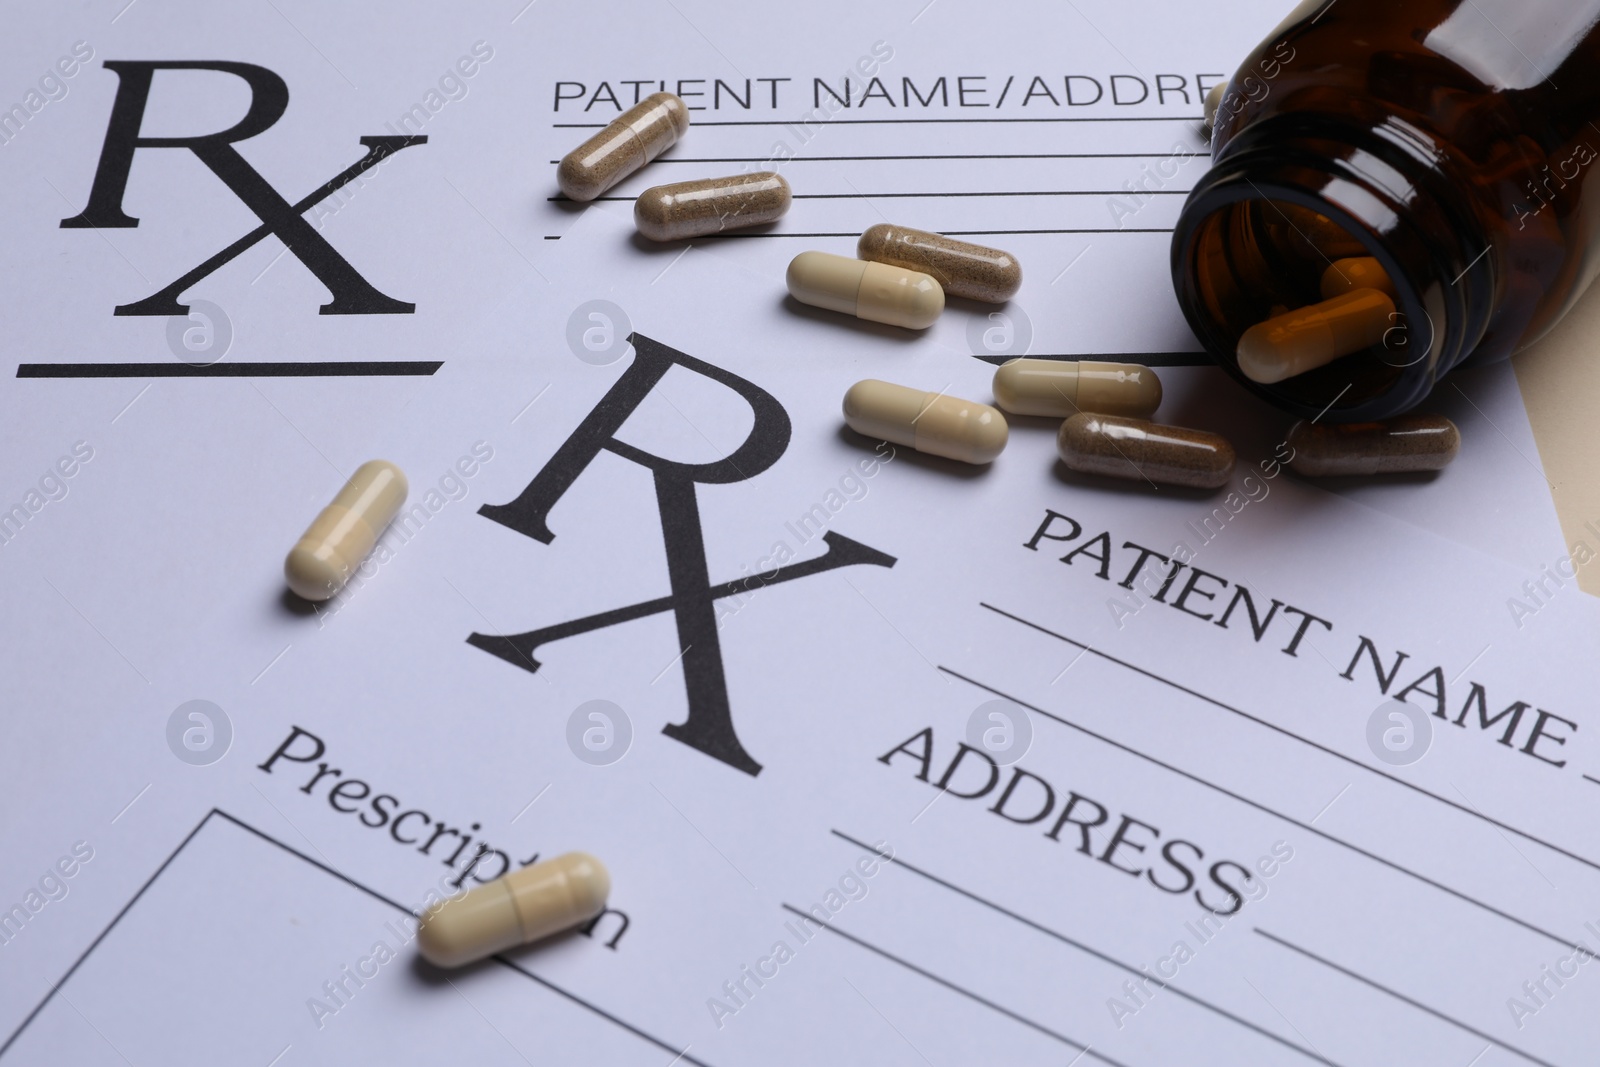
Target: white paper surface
1407	906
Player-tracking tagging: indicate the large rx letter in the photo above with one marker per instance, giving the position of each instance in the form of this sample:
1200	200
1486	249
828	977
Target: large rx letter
709	725
269	98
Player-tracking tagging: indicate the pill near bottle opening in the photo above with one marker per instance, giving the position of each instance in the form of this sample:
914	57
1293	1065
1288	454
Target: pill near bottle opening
1356	272
710	205
1398	445
1060	388
1310	337
1145	451
876	292
935	423
338	539
960	267
523	906
1213	104
631	140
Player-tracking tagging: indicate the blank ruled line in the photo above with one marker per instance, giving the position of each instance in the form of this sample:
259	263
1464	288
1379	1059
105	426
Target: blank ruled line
947	233
1465	809
1147	359
1081	947
937	195
1081	1048
1417	1004
1268	810
700	124
1592	778
307	369
915	158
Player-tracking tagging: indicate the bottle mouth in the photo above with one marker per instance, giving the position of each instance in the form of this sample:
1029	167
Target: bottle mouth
1264	235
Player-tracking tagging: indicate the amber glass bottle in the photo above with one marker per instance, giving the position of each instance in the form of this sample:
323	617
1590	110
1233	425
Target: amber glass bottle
1451	140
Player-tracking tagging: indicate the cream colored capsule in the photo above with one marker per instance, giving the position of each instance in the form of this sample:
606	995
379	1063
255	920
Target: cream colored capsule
633	139
876	292
960	267
523	906
336	542
710	205
1356	272
1309	337
935	423
1059	388
1144	451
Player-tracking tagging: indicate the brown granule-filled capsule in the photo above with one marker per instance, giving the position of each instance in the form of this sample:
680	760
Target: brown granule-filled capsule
1145	451
1406	443
963	269
710	205
633	139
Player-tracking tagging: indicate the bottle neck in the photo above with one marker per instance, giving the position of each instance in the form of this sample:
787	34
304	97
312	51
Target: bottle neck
1282	203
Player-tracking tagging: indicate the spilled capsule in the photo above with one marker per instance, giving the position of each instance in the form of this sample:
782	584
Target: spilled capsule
960	267
710	205
876	292
1145	451
633	139
1405	443
1059	388
1356	272
523	906
1310	337
338	539
935	423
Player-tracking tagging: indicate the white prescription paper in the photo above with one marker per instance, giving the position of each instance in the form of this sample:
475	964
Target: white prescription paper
1414	912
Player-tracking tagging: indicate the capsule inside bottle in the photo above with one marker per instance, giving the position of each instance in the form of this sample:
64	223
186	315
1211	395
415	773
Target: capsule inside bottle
1406	443
1145	451
1310	337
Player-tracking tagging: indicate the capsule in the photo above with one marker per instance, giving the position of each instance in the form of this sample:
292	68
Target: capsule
1145	451
1212	105
1356	272
935	423
521	907
1313	235
633	139
1059	388
1309	337
336	542
961	268
1406	443
710	205
876	292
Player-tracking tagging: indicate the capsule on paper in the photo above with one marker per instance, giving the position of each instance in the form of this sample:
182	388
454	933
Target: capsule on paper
1310	337
633	139
336	542
1145	451
876	292
1356	272
935	423
1059	388
1405	443
960	267
521	907
710	205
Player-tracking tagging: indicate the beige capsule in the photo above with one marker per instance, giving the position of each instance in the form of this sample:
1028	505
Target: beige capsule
1312	234
1059	388
876	292
1405	443
710	205
1213	104
1310	337
523	906
935	423
1356	272
1145	451
633	139
960	267
336	542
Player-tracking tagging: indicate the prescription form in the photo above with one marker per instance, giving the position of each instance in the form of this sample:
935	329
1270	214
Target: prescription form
959	767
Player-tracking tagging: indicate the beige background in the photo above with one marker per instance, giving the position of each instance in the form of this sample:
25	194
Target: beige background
1560	380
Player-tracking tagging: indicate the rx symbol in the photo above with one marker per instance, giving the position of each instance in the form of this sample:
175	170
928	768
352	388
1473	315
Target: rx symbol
269	99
